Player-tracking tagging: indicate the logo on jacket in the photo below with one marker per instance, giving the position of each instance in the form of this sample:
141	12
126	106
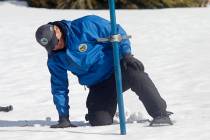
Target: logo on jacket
83	47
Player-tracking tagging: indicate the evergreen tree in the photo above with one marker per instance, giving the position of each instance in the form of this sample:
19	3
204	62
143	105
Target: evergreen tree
120	4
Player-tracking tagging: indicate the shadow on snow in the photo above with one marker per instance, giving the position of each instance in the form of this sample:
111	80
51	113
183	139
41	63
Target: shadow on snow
33	123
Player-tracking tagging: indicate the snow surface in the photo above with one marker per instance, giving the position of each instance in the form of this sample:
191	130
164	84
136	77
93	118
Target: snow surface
174	45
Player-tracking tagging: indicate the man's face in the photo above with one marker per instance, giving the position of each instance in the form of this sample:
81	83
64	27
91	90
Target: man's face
59	36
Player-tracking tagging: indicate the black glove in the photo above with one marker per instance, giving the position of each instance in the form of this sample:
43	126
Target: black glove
129	61
6	108
63	123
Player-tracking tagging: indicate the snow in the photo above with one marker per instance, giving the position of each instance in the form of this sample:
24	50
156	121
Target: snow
173	44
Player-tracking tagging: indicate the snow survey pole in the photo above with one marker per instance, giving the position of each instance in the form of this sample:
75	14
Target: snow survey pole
115	40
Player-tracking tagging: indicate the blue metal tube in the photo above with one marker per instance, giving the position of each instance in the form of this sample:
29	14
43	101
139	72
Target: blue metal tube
117	69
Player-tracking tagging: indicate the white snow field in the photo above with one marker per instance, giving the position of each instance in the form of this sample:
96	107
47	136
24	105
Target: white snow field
173	44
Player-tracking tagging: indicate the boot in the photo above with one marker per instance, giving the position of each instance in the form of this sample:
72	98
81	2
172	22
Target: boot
63	122
161	121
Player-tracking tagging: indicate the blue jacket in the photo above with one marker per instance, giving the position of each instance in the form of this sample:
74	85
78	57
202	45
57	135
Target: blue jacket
89	60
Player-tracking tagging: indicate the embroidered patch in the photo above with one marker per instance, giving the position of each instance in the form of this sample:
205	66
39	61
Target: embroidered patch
44	41
83	47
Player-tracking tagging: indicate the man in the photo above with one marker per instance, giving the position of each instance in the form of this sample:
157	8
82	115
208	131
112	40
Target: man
74	46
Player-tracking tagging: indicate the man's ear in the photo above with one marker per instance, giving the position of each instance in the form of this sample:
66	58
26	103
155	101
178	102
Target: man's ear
57	31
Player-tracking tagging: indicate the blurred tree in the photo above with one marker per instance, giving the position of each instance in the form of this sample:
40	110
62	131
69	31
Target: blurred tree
76	4
42	3
120	4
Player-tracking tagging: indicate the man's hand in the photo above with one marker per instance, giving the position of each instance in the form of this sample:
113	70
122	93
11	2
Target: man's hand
129	61
63	125
63	122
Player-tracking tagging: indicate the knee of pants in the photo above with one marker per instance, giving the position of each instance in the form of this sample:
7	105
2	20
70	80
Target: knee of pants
100	118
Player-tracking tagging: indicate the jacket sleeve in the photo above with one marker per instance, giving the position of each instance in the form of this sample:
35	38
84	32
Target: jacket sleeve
59	87
124	44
